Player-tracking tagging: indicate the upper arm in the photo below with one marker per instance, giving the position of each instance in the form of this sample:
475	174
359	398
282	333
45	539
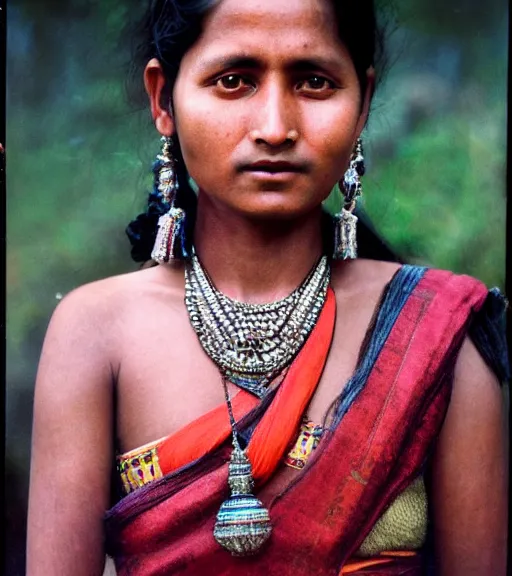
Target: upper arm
469	475
72	442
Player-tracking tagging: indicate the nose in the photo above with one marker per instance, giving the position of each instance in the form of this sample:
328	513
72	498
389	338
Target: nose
274	118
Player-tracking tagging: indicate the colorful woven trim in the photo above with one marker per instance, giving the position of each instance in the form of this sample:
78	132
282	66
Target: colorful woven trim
136	470
309	437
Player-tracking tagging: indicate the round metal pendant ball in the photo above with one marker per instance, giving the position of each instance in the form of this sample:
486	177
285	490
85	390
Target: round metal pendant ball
243	525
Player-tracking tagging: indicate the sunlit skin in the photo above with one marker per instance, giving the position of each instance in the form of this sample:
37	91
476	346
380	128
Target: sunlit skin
268	81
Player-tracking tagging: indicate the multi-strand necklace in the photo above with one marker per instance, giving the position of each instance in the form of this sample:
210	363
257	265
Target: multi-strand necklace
251	344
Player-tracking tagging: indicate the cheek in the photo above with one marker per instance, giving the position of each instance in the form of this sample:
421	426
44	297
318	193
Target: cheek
332	134
203	133
333	148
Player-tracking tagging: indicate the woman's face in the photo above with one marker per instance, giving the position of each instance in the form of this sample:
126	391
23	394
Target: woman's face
267	106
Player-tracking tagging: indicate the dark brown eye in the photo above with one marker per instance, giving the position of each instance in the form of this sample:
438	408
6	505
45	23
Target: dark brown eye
315	84
230	82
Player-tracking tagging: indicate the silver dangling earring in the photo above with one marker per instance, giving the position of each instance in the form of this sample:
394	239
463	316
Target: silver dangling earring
345	241
169	243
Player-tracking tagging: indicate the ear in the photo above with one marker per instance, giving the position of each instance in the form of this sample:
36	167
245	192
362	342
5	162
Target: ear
367	99
155	83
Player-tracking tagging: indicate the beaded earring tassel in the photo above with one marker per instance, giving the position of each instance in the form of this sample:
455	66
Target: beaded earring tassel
169	243
345	240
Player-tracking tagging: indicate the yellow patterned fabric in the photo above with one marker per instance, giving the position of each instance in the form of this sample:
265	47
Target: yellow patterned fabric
309	437
137	468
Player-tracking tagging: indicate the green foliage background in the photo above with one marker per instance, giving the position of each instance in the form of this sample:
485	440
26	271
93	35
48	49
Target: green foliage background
79	156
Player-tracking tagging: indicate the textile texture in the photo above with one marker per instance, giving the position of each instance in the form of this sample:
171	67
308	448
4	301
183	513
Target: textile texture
387	418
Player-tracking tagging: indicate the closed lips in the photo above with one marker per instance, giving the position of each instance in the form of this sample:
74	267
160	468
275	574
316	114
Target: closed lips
274	167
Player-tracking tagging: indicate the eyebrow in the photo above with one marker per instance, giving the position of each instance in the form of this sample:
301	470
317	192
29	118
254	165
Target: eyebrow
252	63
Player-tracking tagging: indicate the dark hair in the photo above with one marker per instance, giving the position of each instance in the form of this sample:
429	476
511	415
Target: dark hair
169	29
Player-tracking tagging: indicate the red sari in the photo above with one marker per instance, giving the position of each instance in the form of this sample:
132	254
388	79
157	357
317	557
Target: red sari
384	426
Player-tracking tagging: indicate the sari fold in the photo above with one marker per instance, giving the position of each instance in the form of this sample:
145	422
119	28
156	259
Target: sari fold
211	430
386	421
268	442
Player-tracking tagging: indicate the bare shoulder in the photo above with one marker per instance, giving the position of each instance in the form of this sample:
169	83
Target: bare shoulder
475	380
469	473
477	409
88	327
103	305
362	276
107	297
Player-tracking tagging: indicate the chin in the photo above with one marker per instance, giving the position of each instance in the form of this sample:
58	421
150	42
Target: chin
277	210
271	205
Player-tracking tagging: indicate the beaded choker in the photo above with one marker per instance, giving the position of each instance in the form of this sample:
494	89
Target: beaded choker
252	343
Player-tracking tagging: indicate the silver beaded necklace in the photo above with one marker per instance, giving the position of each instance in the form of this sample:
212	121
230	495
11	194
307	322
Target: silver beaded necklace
252	343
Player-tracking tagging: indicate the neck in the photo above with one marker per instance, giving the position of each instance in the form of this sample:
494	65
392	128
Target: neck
256	261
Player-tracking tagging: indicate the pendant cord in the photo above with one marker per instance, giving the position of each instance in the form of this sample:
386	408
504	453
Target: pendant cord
232	420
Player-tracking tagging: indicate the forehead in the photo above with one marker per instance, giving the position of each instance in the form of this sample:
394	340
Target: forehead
298	27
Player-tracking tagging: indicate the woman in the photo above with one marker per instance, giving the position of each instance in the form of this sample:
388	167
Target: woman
333	414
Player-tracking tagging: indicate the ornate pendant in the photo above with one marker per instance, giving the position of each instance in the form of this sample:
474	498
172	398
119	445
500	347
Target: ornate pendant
243	523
